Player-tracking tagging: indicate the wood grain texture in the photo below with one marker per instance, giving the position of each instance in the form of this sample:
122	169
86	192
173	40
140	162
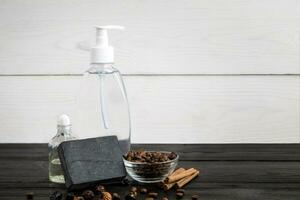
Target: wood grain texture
205	194
185	109
162	37
227	152
224	177
211	171
187	152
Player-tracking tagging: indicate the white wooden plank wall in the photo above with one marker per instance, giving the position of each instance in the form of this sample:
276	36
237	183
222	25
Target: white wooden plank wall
207	71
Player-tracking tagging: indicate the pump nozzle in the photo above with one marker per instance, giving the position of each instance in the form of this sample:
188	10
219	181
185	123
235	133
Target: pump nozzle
102	52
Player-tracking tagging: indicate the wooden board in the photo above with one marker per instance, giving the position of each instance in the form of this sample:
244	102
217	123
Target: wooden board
205	194
161	37
212	171
187	152
225	176
172	109
228	152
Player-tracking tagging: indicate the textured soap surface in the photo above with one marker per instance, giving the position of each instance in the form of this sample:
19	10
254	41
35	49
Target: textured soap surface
89	161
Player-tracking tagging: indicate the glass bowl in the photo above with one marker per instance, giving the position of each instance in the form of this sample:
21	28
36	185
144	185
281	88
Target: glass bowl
150	172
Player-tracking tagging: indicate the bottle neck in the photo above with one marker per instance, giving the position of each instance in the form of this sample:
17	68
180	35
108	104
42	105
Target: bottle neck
64	130
100	68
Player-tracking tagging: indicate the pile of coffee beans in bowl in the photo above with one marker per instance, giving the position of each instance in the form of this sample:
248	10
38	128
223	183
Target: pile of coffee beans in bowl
150	166
142	156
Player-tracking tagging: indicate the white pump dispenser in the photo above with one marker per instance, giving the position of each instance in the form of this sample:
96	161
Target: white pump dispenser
103	52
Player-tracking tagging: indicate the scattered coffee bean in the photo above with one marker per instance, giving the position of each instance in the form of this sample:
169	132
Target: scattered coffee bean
172	156
130	196
143	190
195	197
165	198
78	198
56	196
149	198
88	195
180	190
29	196
70	196
125	181
133	189
153	194
179	195
100	188
116	196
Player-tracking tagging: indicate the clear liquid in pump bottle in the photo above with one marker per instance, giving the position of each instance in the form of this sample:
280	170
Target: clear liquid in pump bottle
103	105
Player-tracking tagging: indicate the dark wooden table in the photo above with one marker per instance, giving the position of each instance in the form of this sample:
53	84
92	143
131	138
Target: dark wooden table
227	171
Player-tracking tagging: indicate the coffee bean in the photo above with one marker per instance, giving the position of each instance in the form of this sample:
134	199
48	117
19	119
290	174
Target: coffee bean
165	198
195	197
130	196
78	198
149	156
125	181
179	195
143	190
149	198
180	190
100	188
153	194
116	196
133	189
29	196
172	156
88	195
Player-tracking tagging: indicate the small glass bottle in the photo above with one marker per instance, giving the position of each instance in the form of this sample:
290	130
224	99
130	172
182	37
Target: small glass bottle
64	133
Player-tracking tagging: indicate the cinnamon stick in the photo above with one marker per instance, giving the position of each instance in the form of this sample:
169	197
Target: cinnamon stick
167	186
177	177
187	179
177	171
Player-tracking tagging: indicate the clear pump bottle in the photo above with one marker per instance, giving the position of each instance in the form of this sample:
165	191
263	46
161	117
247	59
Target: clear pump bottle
103	105
64	133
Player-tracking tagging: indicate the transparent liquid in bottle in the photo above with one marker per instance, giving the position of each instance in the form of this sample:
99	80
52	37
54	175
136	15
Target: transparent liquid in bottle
55	170
56	174
103	105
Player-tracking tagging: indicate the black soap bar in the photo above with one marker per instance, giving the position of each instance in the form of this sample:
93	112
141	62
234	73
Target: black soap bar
90	161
